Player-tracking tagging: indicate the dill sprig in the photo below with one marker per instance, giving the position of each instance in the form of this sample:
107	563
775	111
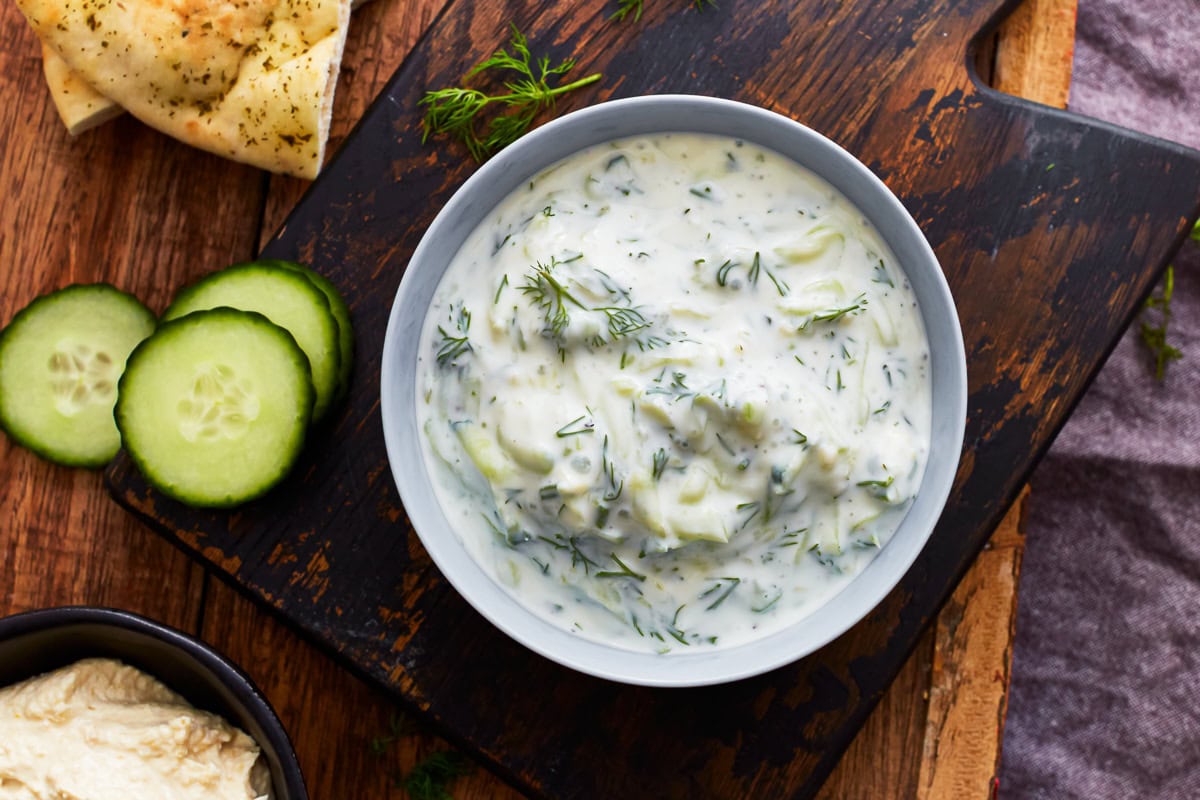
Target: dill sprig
431	779
455	110
634	8
551	295
1155	336
451	346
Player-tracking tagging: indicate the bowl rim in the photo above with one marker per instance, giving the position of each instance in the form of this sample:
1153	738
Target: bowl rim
589	126
230	675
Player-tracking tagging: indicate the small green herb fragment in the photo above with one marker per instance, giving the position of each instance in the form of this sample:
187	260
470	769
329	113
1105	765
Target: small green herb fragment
1155	336
882	276
834	314
431	779
398	725
882	484
660	463
553	298
722	589
455	110
576	427
451	347
626	8
623	572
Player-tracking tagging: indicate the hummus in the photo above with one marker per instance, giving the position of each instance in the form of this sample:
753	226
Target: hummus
101	730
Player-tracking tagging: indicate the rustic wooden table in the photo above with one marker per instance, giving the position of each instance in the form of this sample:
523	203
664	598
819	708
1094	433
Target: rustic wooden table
125	205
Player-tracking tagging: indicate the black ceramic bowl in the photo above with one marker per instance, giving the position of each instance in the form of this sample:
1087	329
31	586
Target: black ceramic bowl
41	641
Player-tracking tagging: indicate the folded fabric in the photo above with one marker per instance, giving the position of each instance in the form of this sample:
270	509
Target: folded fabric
1104	700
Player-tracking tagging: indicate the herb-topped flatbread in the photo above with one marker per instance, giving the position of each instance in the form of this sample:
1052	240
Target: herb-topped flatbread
80	106
252	81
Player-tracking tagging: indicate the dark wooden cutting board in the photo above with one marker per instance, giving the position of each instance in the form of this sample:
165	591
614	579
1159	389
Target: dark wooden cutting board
1050	230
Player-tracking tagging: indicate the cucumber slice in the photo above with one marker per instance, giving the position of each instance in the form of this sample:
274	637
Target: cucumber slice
286	298
60	360
341	312
214	406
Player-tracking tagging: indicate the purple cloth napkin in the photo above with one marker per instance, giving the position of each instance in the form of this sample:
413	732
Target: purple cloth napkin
1105	699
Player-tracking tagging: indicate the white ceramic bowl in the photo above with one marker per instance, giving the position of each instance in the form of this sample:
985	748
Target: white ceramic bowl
512	168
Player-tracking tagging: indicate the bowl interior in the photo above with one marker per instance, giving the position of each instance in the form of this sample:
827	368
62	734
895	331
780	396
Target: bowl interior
42	641
509	170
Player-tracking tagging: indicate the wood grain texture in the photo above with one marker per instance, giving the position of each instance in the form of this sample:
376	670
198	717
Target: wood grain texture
969	164
1039	32
968	691
61	541
972	657
886	759
73	213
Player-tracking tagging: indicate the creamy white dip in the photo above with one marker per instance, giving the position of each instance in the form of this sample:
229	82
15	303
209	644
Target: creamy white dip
101	730
675	393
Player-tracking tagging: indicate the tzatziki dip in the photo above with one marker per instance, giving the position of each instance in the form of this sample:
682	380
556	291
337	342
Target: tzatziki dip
675	393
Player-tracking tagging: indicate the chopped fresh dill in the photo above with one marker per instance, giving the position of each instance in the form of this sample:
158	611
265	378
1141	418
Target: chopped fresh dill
500	288
882	484
552	296
623	572
660	463
723	272
835	314
824	560
800	437
756	269
451	347
455	110
574	428
882	276
753	507
678	635
886	405
722	589
622	321
610	471
774	599
675	619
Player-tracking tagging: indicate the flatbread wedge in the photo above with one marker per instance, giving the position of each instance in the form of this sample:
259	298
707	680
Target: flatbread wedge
80	106
251	80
